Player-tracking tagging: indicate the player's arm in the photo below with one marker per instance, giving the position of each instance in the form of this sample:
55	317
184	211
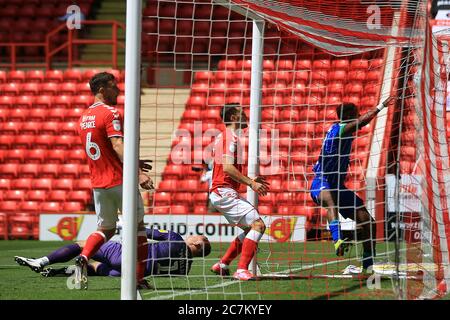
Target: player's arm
259	184
144	180
363	120
117	144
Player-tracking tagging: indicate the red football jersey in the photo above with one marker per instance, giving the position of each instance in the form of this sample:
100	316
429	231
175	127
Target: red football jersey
226	144
98	123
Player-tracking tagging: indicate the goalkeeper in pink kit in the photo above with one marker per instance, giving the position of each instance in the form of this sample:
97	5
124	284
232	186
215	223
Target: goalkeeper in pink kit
226	177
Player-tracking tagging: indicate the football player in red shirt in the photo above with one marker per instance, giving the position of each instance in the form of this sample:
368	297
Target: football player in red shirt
227	176
101	133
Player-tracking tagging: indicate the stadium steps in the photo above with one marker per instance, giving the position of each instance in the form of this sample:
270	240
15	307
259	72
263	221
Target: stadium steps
161	112
108	10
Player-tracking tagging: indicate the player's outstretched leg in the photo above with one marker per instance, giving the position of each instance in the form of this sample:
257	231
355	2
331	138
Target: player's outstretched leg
249	247
368	226
326	199
222	267
63	254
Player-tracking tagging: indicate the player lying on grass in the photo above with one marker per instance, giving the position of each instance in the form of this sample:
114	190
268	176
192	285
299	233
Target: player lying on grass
328	189
170	255
226	177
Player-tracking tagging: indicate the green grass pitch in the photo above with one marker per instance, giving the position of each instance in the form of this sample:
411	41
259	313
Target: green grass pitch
312	263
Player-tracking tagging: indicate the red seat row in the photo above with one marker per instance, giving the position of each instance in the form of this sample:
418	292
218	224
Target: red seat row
47	170
55	76
57	195
46	184
43	156
65	142
46	101
50	127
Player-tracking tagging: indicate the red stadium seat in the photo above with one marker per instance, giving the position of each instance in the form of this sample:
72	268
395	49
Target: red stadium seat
29	170
21	184
57	196
10	128
49	88
4	114
10	89
343	64
76	156
72	207
71	171
6	141
30	88
85	172
74	114
49	170
84	184
68	88
21	114
161	210
63	184
51	206
62	101
15	156
44	100
69	128
14	195
20	226
265	209
162	198
3	226
35	76
50	127
73	75
168	185
181	198
29	206
5	184
83	88
64	142
56	156
200	209
37	195
179	209
7	101
54	76
57	114
9	170
37	114
16	76
43	141
81	196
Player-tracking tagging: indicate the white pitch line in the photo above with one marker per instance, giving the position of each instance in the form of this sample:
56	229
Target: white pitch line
228	283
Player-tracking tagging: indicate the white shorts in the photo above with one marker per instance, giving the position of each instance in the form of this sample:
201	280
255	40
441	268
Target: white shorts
107	204
237	210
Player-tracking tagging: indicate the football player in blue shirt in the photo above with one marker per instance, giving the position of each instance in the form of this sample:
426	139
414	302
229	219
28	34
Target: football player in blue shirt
328	189
170	255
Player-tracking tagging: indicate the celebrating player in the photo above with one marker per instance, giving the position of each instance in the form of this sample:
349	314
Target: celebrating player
171	255
328	189
226	177
101	132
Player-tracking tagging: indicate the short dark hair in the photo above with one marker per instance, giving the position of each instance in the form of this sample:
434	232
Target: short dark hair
344	107
206	248
99	80
228	110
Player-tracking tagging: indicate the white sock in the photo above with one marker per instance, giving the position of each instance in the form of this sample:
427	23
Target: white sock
43	261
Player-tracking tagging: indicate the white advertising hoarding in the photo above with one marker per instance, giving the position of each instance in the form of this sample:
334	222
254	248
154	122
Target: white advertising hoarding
410	192
74	227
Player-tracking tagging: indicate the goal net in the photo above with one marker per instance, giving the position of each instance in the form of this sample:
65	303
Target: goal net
317	54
